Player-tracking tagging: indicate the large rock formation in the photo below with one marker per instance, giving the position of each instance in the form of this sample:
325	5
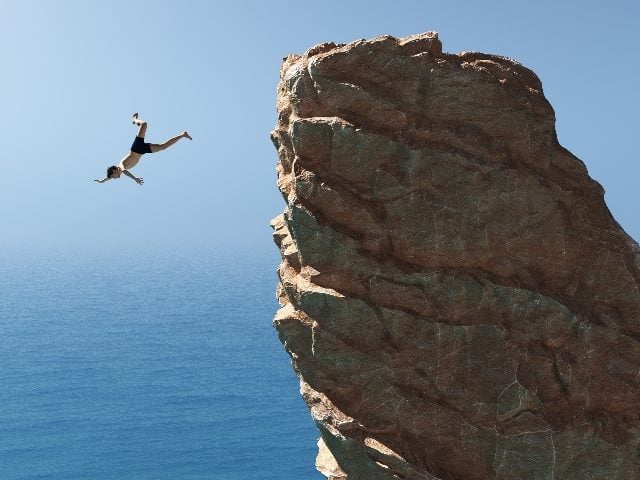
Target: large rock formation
457	300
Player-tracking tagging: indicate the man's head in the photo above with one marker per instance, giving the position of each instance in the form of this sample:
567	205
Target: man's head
113	172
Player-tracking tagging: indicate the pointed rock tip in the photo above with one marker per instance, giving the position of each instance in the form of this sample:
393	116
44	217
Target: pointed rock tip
427	42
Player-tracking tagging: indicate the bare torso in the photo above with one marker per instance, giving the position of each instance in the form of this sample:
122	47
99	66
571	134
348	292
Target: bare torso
129	161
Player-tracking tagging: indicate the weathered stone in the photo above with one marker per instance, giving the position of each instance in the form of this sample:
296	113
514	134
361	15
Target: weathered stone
457	300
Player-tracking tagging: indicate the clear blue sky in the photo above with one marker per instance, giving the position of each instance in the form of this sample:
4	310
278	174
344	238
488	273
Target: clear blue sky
73	72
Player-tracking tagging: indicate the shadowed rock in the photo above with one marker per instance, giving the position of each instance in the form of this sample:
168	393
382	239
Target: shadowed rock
457	300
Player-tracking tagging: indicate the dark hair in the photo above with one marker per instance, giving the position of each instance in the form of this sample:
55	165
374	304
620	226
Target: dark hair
110	170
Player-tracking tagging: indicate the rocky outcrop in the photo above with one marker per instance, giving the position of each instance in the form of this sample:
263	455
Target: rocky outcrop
457	300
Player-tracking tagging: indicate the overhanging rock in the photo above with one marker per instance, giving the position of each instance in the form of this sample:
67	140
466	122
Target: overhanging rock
457	300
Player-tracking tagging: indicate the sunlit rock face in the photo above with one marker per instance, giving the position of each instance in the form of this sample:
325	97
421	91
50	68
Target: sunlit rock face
457	300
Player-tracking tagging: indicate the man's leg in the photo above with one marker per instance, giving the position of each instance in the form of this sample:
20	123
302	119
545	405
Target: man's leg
155	147
141	123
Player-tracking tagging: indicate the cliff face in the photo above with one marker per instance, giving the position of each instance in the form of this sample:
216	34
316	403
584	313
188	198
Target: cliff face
456	298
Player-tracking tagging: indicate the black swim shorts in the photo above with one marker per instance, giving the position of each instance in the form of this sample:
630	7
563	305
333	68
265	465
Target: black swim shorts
138	146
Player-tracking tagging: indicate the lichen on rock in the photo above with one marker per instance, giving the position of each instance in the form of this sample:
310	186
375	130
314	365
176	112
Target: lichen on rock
457	299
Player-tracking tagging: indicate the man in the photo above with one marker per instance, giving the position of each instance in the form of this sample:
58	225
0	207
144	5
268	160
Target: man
139	148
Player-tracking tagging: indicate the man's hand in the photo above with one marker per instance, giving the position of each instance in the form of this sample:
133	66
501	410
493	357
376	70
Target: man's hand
139	181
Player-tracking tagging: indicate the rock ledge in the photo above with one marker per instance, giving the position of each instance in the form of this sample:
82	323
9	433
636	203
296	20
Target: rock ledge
457	300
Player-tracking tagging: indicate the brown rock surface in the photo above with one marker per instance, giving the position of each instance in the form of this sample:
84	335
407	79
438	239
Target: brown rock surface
457	300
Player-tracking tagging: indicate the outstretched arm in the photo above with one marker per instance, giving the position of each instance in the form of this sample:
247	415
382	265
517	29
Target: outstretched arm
139	181
103	180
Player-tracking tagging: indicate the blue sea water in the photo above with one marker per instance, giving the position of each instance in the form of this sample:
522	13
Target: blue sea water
149	366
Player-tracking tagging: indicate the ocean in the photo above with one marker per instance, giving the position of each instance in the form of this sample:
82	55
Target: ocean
148	366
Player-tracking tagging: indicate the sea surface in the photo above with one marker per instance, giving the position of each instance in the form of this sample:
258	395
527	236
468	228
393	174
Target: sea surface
147	366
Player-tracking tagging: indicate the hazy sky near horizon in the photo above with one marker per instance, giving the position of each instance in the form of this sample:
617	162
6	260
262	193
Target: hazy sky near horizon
74	71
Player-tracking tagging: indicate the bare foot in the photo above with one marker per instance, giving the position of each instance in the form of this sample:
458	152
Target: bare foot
134	117
186	135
